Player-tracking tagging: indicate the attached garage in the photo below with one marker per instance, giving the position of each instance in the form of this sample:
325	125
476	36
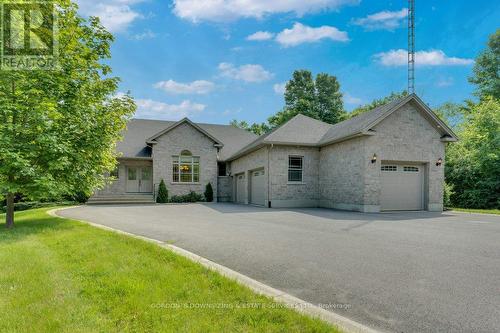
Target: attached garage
257	188
402	186
240	188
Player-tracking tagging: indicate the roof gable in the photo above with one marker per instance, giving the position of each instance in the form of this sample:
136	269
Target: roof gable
363	123
152	139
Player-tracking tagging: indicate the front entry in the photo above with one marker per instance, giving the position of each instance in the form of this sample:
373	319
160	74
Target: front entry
139	179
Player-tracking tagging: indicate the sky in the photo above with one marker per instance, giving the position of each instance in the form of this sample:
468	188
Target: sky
218	60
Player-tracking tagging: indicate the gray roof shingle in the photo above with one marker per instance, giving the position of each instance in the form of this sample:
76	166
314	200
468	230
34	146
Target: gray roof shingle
139	130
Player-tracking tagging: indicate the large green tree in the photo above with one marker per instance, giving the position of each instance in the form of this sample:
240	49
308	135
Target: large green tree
59	128
473	163
318	98
377	102
486	70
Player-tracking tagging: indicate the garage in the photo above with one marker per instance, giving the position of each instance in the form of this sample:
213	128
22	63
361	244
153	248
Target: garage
258	188
402	186
240	188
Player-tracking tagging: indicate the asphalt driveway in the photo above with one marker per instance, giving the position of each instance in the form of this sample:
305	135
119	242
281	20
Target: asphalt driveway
398	272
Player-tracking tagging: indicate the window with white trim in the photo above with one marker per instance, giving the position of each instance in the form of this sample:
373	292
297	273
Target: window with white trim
185	168
295	168
389	168
410	169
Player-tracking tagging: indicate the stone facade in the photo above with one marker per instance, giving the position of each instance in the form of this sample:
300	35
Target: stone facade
341	174
172	143
406	136
294	194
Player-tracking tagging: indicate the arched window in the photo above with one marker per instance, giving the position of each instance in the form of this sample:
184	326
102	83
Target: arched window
185	168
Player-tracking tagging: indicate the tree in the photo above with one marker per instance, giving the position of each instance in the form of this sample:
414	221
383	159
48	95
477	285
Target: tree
162	196
377	102
209	193
255	128
486	69
320	99
58	129
473	163
452	113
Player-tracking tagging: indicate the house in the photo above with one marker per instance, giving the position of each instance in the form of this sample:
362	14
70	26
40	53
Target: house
390	158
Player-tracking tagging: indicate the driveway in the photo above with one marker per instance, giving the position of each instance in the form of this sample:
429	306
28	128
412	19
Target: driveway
397	272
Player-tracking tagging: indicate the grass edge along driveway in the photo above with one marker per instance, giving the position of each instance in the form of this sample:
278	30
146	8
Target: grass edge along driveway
66	276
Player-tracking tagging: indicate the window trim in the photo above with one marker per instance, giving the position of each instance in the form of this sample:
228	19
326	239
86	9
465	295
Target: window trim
301	181
176	161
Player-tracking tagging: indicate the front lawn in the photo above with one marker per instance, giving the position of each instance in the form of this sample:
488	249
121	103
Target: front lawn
482	211
60	275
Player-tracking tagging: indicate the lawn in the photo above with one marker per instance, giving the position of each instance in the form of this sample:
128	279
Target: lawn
60	275
482	211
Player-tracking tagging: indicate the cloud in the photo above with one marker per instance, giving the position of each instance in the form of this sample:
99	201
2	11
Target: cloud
348	99
115	15
445	82
247	73
150	109
384	20
279	88
195	87
146	34
230	10
261	35
300	33
422	58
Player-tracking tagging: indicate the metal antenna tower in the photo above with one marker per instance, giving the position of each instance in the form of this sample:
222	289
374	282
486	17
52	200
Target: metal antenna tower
411	46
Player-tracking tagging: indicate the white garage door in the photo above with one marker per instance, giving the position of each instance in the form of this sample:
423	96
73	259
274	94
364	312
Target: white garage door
240	188
402	187
258	188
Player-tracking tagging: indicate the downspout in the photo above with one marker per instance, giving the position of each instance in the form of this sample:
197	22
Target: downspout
269	176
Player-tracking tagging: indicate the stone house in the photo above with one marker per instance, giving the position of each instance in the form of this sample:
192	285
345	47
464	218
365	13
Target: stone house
390	158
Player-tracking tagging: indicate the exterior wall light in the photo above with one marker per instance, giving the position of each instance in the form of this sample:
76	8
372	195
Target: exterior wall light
439	162
374	158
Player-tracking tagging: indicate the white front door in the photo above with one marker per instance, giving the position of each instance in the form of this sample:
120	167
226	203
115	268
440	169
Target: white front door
139	179
402	186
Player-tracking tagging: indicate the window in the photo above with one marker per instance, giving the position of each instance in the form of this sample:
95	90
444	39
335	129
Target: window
389	168
294	169
185	168
132	174
410	169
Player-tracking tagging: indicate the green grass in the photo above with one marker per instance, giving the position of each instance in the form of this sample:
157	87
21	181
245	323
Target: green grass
59	275
483	211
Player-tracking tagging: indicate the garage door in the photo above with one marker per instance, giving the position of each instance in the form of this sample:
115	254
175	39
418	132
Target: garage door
257	188
402	187
240	188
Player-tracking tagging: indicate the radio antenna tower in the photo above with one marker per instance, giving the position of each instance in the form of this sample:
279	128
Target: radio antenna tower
411	46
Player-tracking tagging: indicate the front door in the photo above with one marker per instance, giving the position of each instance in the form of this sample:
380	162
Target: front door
139	179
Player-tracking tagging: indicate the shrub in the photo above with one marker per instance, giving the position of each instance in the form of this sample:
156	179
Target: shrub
191	197
209	193
25	205
162	196
448	192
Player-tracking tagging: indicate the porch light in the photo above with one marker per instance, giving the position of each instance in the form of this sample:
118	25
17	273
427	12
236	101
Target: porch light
439	162
374	158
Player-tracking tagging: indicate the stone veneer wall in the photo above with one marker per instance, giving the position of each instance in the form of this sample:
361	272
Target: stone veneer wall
406	135
184	137
292	194
341	174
